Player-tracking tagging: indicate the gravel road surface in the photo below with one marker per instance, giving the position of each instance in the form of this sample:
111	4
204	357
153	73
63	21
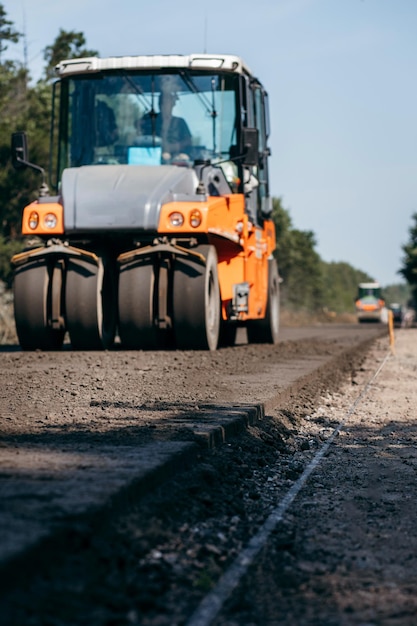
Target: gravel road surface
76	426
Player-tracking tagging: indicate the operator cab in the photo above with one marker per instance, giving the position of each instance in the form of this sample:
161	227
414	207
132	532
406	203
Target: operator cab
189	111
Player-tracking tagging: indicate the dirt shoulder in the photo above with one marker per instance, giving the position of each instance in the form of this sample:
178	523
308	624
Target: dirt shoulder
346	553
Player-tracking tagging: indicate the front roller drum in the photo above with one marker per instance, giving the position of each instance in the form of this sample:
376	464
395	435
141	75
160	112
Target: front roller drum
90	304
196	301
37	285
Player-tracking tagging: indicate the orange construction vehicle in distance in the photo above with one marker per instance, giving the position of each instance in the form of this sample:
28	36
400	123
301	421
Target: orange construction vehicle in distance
369	303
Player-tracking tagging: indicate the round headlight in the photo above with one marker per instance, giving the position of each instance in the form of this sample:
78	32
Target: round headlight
33	220
195	218
50	220
176	219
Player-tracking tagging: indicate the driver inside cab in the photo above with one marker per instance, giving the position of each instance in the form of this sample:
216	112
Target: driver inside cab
173	131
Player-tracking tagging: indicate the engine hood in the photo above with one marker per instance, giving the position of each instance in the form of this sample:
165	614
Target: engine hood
100	198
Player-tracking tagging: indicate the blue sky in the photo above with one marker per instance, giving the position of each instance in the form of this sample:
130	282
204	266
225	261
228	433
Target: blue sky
341	78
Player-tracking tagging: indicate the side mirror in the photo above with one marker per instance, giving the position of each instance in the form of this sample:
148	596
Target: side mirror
20	155
20	159
250	145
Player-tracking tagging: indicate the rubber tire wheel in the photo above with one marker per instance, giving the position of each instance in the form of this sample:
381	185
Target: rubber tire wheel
136	299
90	305
196	301
266	330
32	297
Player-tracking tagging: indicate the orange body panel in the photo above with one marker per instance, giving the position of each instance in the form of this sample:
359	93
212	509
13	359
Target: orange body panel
373	306
220	213
43	210
242	248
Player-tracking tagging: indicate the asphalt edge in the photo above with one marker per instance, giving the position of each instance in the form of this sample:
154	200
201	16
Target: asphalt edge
231	421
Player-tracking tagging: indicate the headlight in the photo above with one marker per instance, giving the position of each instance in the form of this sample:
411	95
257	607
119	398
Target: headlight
176	219
195	218
50	220
33	220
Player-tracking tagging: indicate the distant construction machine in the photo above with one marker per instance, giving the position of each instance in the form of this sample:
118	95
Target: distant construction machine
159	230
369	302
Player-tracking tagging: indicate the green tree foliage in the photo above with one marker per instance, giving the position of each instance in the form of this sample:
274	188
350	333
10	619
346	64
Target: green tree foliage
68	45
399	292
29	110
299	264
409	263
310	284
7	32
8	247
341	285
13	93
25	107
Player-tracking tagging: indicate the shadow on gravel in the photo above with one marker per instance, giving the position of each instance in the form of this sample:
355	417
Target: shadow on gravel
153	564
208	424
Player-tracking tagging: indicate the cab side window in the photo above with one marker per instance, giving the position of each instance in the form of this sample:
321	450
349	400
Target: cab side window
261	122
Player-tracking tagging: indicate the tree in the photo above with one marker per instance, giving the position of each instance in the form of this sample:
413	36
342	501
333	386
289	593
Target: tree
68	45
7	32
13	92
8	69
298	262
23	107
409	268
398	292
341	285
309	283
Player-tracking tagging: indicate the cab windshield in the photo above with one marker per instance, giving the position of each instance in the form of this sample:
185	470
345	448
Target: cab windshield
373	292
147	118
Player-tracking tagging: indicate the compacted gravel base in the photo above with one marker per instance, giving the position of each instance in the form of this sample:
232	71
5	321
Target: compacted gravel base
338	555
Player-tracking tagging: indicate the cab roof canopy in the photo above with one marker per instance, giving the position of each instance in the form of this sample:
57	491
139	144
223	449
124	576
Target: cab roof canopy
207	62
373	285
